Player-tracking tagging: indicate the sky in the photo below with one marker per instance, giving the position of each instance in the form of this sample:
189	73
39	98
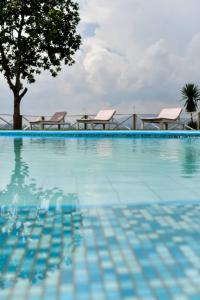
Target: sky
135	57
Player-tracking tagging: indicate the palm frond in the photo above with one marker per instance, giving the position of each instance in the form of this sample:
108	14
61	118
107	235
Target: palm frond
191	95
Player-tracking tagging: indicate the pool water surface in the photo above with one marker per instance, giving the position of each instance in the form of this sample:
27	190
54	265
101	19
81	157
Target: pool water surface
129	252
99	218
98	171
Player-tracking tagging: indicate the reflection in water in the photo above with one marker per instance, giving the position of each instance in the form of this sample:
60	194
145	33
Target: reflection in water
36	242
57	145
191	160
104	148
24	189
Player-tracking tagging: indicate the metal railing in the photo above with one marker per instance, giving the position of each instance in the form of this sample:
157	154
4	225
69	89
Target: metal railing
122	121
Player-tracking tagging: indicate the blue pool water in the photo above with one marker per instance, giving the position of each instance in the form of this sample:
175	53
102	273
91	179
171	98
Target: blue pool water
126	252
103	218
98	171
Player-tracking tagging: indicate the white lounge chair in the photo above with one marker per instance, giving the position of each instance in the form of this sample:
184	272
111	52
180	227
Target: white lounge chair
103	117
165	117
57	119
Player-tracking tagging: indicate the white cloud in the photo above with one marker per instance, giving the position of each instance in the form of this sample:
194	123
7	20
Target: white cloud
134	53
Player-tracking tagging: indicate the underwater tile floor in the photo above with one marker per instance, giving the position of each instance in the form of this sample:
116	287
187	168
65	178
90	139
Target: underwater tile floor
102	253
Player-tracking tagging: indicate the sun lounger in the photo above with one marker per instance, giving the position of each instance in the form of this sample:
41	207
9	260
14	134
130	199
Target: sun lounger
57	119
103	117
165	117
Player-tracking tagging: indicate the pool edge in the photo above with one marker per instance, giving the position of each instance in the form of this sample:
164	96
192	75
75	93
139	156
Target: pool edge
99	133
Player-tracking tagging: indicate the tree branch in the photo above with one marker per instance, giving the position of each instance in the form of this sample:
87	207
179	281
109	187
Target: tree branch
6	67
23	93
18	57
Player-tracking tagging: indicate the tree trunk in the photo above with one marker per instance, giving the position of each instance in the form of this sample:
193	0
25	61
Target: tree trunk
17	118
191	115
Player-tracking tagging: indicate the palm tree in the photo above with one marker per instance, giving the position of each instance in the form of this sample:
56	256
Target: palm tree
191	96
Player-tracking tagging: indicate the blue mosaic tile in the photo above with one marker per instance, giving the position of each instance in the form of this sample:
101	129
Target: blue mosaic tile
100	253
99	133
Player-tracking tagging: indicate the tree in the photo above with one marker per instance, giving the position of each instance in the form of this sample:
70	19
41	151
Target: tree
35	35
191	96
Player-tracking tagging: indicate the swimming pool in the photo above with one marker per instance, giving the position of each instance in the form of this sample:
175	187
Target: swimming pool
99	215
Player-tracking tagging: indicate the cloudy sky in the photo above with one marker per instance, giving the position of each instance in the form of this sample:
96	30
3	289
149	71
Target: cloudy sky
136	54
